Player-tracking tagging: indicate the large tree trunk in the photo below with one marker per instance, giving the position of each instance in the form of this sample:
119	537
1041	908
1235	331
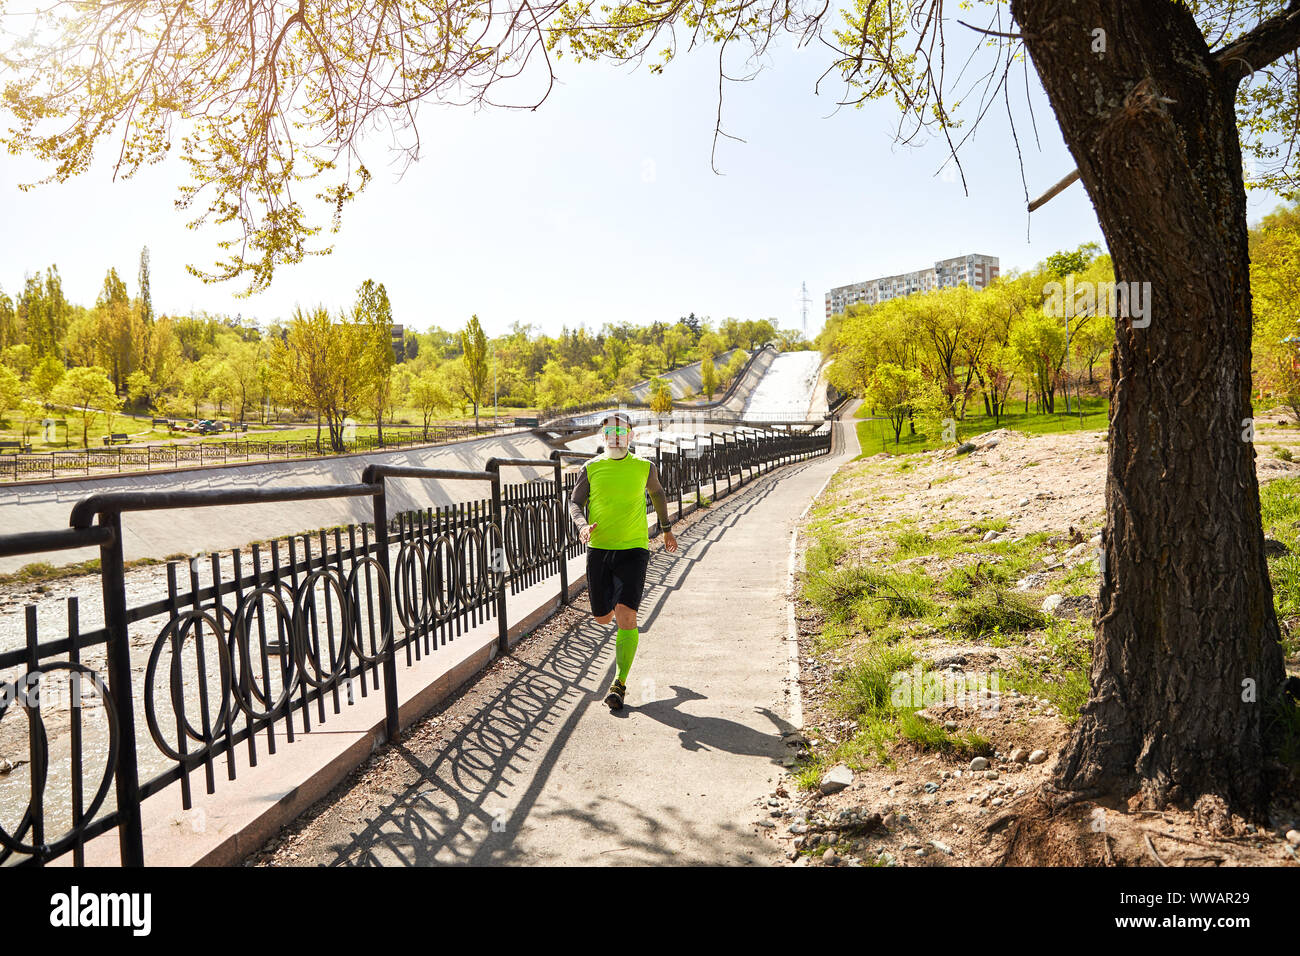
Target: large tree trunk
1186	660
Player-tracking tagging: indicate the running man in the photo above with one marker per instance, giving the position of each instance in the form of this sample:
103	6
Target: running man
613	486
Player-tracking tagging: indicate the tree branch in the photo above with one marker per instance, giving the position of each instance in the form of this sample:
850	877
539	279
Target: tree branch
1274	38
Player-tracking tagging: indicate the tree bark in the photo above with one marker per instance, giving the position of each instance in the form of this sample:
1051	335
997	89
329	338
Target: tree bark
1186	627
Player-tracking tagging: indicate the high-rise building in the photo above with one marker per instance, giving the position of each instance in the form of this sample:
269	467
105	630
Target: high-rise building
975	270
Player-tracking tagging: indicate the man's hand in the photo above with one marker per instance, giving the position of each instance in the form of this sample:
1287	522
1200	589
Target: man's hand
585	533
670	541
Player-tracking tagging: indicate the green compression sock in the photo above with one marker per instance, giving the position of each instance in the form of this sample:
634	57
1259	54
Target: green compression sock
626	650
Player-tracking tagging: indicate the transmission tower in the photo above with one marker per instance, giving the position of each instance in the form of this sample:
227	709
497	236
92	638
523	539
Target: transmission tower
805	301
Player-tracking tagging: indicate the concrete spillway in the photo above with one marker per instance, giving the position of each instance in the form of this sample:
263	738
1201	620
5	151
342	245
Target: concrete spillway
789	387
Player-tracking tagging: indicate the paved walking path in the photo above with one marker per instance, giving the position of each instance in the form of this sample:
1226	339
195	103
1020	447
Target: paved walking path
540	772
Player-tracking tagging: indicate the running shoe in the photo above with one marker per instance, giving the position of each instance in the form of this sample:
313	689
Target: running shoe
617	691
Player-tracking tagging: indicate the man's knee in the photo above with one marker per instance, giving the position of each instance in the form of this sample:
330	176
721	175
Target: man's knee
626	615
605	618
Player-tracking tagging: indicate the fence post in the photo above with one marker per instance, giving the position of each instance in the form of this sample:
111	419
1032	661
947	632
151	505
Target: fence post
503	627
678	461
561	532
385	607
112	580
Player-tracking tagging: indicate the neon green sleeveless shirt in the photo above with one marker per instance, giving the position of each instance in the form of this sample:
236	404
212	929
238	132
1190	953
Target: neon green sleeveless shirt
616	502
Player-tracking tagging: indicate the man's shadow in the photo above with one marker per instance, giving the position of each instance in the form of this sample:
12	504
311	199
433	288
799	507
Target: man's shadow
713	733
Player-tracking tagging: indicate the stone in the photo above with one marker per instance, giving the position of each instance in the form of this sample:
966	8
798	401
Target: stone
1076	605
1038	756
1019	755
830	857
989	536
941	847
965	448
979	763
1051	603
1293	837
950	725
836	779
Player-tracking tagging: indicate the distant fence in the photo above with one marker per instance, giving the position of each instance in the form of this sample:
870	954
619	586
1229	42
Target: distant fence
249	648
54	464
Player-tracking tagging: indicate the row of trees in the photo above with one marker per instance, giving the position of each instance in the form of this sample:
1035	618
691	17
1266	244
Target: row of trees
327	367
927	357
931	354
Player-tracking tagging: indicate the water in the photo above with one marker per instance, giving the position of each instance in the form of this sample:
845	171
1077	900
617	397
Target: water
787	388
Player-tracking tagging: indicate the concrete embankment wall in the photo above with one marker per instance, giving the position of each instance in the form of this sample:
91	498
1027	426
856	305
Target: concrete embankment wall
739	398
45	506
684	380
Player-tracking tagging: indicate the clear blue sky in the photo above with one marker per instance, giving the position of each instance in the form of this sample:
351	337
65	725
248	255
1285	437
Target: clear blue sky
601	206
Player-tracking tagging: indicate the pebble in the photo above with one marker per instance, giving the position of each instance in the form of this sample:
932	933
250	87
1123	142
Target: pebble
1050	603
941	847
830	857
991	775
836	779
979	763
1038	756
1019	755
997	801
1293	837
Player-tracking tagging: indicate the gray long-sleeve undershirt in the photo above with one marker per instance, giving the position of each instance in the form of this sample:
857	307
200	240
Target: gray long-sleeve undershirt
582	489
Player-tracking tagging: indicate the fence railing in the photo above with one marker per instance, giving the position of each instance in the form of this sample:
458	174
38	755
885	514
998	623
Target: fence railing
54	464
251	647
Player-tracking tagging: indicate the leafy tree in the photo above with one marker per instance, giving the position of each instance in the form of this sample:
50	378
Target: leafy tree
708	376
31	414
429	395
11	390
320	365
19	358
139	390
661	396
120	333
9	332
90	394
196	383
895	391
1061	264
146	298
46	376
373	311
474	352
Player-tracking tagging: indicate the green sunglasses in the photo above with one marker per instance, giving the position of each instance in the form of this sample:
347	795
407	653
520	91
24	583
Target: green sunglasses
617	430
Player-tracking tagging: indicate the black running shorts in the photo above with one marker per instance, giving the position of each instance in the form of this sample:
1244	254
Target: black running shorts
615	576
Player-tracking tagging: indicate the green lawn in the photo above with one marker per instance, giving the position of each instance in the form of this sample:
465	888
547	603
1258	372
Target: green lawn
877	435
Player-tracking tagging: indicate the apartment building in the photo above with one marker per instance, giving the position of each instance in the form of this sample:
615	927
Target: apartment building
974	270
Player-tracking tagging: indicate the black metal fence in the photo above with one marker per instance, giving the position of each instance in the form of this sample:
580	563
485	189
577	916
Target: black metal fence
27	466
251	647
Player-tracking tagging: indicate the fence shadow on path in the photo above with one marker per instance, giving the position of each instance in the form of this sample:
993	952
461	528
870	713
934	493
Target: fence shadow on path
474	796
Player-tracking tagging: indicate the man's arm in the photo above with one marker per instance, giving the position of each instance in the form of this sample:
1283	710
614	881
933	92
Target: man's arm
657	498
578	498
